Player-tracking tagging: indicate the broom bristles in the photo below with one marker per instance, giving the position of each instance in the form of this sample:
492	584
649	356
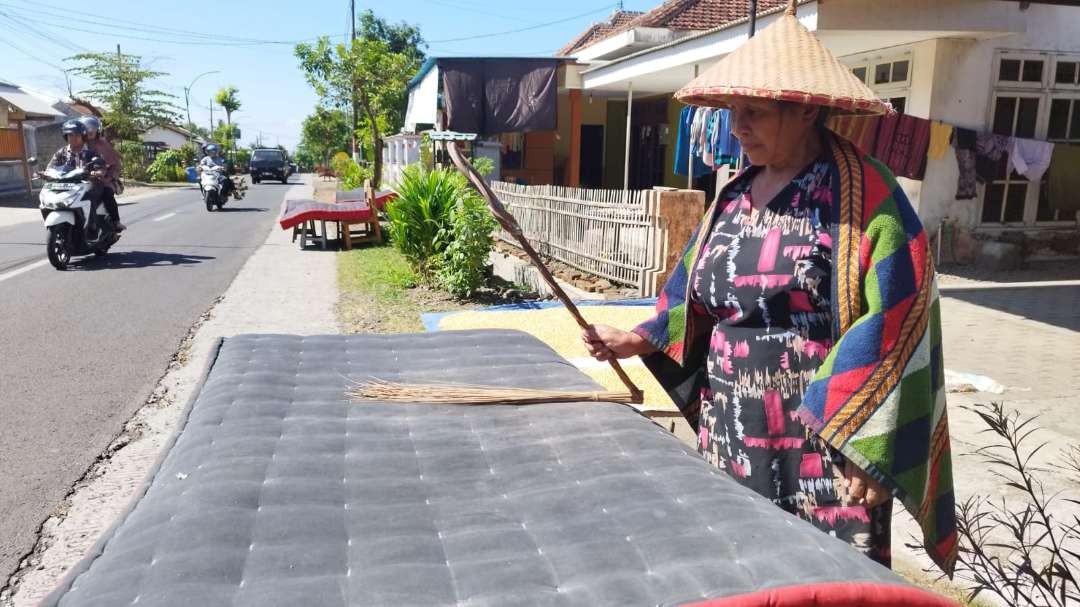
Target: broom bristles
461	394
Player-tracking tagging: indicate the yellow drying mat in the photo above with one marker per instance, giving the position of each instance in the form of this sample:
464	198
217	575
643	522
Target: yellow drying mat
556	328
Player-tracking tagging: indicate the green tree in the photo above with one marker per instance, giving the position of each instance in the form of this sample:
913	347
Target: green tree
372	71
324	132
123	84
225	132
227	99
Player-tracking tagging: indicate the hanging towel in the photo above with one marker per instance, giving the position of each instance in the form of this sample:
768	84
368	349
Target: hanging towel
990	150
1030	158
728	147
940	133
682	145
902	143
964	142
860	130
1064	178
707	133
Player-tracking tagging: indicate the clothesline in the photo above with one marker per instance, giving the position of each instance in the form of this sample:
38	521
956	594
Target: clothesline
905	144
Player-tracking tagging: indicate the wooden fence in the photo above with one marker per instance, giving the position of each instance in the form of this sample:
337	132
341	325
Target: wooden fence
11	144
615	234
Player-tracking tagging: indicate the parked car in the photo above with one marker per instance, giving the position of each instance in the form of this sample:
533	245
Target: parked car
293	169
269	163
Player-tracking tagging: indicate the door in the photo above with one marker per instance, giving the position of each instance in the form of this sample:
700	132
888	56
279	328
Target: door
592	155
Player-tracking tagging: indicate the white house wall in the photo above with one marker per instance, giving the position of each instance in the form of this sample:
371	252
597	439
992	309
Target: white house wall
423	101
962	92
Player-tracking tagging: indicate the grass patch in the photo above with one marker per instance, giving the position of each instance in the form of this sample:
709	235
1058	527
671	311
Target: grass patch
380	293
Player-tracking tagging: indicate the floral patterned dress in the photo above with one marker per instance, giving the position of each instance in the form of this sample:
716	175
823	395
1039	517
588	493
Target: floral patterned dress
764	279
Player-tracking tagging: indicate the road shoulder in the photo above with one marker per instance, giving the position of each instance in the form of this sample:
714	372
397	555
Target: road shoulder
280	289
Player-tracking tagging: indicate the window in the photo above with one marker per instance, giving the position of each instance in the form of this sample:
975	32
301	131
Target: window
1063	126
898	103
892	72
512	151
1005	198
1067	73
1017	70
860	72
1036	97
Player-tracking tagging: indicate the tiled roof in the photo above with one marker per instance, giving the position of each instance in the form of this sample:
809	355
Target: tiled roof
700	14
686	15
598	31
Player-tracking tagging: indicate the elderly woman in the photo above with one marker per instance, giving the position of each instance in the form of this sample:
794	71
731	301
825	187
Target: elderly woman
801	334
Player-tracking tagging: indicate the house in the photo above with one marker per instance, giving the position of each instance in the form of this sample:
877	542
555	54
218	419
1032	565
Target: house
1004	66
170	137
17	108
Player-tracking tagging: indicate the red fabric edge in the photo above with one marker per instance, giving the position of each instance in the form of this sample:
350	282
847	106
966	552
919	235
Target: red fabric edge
323	215
853	594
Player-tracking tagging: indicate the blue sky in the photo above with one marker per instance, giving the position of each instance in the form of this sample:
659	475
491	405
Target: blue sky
36	36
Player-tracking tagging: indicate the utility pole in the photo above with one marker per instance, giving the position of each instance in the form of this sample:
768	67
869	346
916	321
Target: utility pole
355	118
211	118
753	17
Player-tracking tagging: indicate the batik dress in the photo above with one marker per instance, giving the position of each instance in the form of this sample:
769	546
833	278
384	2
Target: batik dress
764	279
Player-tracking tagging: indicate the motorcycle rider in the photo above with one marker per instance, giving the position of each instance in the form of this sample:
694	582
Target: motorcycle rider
76	153
101	148
212	159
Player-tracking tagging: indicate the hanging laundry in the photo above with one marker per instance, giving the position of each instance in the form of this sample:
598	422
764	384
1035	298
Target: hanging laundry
990	151
1064	178
728	147
964	142
860	130
940	133
902	143
683	144
1030	158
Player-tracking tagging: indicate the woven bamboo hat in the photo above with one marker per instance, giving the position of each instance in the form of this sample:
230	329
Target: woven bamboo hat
787	63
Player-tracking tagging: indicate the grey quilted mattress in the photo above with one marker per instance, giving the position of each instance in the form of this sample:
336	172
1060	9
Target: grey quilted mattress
277	491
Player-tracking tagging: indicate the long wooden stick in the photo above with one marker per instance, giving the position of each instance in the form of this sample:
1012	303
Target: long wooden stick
507	221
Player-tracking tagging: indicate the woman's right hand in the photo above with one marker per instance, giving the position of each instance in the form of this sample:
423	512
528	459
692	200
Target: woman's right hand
606	343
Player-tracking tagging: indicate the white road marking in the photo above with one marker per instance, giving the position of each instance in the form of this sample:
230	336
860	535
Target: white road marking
24	269
164	217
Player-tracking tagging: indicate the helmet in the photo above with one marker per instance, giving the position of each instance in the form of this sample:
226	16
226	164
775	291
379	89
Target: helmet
92	124
73	126
212	149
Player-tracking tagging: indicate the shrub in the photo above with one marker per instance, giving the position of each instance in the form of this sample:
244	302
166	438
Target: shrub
350	174
462	267
188	154
1022	553
132	156
167	166
421	216
483	165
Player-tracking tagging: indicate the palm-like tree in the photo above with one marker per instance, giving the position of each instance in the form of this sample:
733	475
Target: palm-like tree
227	99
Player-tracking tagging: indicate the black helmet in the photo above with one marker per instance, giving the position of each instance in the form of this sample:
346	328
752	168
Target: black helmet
73	126
91	123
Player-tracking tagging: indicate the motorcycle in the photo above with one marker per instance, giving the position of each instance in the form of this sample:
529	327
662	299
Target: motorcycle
212	183
74	215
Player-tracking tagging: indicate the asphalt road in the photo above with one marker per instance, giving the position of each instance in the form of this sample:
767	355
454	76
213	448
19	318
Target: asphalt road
81	350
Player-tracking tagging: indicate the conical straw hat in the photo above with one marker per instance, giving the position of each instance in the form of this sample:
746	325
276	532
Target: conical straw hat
784	62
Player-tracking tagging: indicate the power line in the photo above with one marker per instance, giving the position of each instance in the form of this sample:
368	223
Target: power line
223	42
523	29
22	26
96	19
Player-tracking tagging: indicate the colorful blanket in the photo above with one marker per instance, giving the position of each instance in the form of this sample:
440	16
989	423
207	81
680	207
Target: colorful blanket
879	396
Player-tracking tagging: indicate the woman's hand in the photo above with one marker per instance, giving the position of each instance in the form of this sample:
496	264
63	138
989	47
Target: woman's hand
606	343
863	490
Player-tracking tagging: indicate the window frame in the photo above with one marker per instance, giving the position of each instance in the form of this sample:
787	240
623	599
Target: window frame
1064	58
1046	92
1022	56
